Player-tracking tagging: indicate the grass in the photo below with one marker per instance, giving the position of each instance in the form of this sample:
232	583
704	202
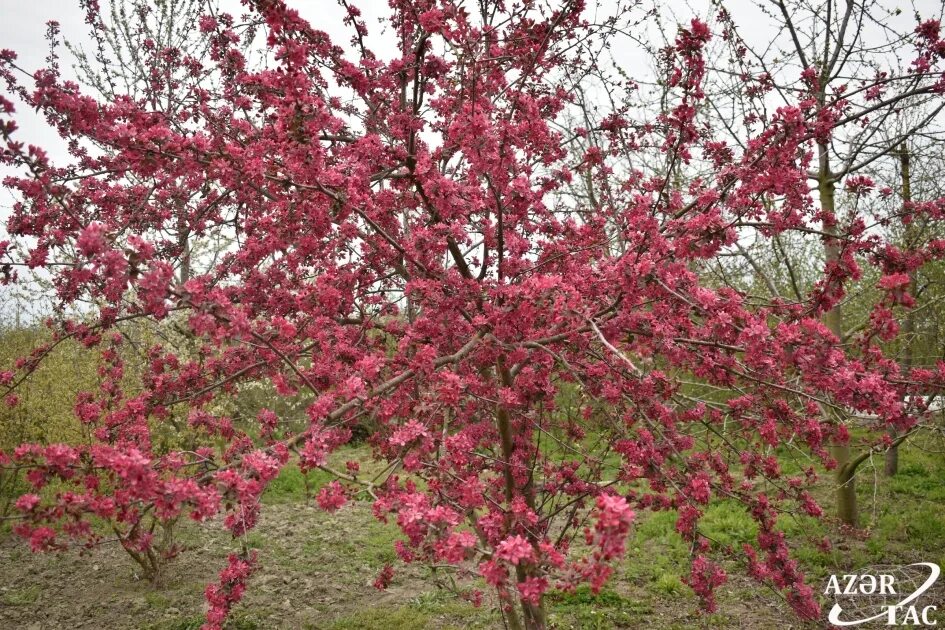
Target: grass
238	621
21	596
668	584
369	546
444	605
382	618
339	554
157	600
292	485
901	521
438	609
728	524
585	609
191	622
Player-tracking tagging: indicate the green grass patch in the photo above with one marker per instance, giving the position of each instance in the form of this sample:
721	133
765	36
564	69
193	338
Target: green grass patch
669	584
21	596
451	611
372	543
157	601
383	618
190	622
728	524
238	621
585	609
292	485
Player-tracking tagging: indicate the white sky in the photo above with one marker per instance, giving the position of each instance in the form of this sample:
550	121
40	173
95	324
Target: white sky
23	30
23	26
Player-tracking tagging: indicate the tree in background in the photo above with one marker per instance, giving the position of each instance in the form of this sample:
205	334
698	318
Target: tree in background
42	412
860	85
141	50
408	248
137	50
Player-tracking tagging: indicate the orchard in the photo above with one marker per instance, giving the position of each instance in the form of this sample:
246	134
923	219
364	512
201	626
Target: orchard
547	288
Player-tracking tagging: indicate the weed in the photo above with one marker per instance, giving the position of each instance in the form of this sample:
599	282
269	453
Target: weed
21	596
402	618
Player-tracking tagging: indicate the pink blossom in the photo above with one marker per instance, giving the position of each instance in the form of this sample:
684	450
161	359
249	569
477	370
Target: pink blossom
91	240
514	549
432	21
384	577
331	497
408	433
704	578
27	502
42	539
495	573
531	589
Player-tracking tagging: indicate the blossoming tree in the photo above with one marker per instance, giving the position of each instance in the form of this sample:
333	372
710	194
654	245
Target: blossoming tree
872	101
407	252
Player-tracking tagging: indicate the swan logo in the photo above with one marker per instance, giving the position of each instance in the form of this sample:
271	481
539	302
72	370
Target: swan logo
884	596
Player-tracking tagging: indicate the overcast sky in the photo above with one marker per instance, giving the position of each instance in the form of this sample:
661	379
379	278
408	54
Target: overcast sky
23	27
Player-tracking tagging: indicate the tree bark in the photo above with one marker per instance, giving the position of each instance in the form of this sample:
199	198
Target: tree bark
532	614
847	509
908	326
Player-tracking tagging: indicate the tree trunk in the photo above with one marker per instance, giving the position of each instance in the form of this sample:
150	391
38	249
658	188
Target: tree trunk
908	326
184	243
892	459
847	510
532	614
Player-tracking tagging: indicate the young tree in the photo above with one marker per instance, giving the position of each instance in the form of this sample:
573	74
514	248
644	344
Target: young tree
137	48
140	50
409	250
858	82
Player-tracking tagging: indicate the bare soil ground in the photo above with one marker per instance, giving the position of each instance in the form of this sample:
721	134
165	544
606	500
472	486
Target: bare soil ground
316	572
310	574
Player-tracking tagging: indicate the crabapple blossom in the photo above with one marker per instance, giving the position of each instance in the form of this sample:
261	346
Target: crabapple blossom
409	259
